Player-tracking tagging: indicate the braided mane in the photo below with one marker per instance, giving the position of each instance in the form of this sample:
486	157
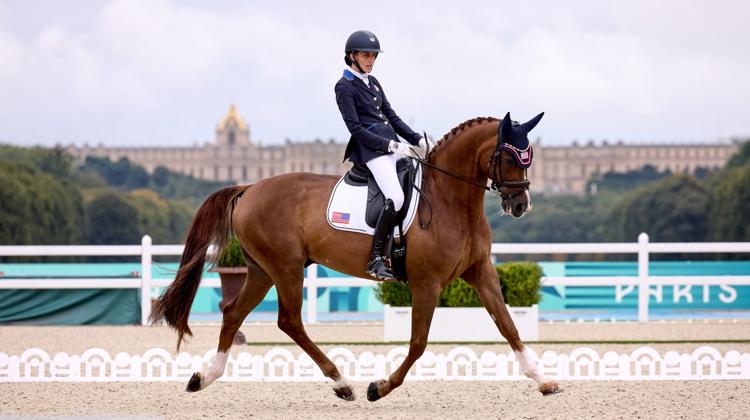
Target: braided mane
447	137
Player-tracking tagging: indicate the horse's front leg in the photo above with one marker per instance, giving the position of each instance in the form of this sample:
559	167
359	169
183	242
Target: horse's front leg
424	300
483	277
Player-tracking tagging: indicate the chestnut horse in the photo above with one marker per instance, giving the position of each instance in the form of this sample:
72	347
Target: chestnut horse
281	225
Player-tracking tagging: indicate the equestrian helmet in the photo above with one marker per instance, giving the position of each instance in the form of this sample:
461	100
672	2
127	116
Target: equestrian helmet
362	41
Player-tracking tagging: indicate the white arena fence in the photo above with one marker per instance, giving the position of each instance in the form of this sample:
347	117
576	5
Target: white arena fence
460	363
643	248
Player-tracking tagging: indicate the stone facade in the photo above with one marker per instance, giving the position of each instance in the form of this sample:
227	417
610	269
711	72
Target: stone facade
232	156
566	169
556	169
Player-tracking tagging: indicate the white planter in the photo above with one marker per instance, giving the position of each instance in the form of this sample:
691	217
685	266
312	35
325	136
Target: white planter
460	324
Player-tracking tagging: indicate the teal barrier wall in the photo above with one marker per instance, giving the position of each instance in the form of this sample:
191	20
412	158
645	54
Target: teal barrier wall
104	306
679	297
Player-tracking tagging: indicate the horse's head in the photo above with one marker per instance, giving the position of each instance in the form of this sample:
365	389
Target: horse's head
507	168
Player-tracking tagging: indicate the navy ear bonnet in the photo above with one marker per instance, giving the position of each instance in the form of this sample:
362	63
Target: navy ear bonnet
513	138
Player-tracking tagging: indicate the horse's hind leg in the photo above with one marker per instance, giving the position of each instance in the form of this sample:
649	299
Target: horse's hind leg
290	321
483	277
252	293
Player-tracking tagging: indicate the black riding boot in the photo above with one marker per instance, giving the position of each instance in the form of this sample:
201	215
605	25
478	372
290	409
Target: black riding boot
376	267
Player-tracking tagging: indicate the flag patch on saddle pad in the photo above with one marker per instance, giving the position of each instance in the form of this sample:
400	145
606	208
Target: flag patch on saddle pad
337	217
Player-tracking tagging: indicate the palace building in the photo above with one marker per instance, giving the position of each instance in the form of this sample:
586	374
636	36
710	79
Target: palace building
233	156
566	169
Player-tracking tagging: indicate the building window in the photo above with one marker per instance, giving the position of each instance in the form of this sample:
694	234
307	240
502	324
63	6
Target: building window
216	172
231	139
244	173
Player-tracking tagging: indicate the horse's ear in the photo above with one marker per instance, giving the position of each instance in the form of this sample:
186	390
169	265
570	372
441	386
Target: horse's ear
505	131
530	124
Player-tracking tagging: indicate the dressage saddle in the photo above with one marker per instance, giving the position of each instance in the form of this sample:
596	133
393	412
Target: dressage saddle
360	176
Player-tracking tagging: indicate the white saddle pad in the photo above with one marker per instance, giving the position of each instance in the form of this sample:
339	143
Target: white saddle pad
346	207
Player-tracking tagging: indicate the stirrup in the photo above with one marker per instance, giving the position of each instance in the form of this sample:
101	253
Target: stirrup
377	268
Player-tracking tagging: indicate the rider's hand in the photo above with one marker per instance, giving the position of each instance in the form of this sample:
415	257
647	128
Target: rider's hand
400	149
424	142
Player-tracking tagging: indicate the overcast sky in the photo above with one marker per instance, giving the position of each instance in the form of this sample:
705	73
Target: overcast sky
163	72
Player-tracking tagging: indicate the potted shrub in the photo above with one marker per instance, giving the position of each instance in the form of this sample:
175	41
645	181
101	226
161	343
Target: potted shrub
232	271
460	315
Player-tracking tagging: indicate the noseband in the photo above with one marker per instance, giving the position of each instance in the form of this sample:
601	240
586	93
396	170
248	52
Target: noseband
522	158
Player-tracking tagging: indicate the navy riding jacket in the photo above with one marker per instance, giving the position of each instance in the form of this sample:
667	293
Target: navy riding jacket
370	119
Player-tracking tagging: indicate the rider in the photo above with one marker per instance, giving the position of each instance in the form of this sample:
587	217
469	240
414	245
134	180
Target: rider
373	125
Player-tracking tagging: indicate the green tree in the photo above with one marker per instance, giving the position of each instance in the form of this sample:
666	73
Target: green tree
137	178
112	221
160	176
674	209
618	182
740	158
165	221
53	161
553	219
37	207
730	220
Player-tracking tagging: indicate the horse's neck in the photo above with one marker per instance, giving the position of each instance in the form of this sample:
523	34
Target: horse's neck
463	155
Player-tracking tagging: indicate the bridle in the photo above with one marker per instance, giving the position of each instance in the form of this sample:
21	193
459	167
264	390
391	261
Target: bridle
522	159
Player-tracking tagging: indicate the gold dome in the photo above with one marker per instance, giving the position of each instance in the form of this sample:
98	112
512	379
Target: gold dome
233	116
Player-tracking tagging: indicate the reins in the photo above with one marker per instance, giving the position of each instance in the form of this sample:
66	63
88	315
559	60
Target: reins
459	177
492	165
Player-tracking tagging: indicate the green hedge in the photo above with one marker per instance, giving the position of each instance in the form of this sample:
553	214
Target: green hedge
519	281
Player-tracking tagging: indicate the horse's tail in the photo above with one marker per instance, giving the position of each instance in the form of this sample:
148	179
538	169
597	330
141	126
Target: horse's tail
211	226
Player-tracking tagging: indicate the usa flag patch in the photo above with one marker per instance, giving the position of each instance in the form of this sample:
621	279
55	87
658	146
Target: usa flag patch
337	217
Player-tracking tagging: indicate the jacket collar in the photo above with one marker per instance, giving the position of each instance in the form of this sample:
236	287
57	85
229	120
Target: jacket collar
348	75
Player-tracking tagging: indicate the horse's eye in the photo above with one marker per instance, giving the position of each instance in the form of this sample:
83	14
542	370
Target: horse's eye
509	161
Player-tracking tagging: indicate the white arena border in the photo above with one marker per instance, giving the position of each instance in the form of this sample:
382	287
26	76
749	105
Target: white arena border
460	363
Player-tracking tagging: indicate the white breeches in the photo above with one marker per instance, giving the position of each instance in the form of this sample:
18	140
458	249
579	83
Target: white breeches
383	169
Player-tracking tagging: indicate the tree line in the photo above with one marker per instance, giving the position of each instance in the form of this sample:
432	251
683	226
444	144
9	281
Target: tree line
46	197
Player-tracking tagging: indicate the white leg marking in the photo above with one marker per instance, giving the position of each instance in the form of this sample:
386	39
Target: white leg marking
341	383
215	369
529	367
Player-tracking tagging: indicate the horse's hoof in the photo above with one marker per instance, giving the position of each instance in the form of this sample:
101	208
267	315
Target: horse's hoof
194	384
550	388
372	392
239	339
345	393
